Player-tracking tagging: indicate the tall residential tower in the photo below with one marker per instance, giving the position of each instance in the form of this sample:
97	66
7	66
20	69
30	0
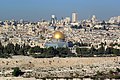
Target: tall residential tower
74	17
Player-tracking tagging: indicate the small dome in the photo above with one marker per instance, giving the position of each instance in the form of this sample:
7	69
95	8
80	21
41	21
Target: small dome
58	35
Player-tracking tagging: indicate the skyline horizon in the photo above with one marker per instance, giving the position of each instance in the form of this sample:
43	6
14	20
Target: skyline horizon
32	10
38	19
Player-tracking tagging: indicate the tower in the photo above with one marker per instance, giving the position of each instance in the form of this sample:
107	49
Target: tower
74	17
53	20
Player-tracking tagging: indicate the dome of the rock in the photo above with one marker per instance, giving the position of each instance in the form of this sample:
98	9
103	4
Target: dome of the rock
58	35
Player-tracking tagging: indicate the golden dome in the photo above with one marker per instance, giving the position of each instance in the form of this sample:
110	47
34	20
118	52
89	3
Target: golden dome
58	35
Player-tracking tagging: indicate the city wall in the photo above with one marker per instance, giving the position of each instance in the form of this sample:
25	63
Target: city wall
29	62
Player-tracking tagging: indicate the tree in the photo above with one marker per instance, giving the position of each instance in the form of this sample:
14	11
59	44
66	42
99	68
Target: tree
35	49
1	48
50	52
9	48
82	51
17	72
108	50
78	50
92	50
63	52
24	49
117	69
17	48
101	50
116	51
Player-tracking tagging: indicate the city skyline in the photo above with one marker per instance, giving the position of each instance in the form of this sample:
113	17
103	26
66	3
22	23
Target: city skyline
35	10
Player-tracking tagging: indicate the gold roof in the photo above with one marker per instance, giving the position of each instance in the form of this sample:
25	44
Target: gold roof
58	35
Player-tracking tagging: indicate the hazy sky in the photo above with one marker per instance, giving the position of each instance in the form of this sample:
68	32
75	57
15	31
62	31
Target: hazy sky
37	9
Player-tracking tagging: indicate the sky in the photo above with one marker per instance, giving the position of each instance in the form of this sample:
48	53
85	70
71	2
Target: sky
34	10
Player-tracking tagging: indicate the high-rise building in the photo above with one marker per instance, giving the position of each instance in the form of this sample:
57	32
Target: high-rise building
67	20
114	19
74	17
53	19
94	19
118	19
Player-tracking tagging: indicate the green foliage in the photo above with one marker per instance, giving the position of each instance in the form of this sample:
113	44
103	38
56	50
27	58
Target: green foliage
17	48
99	73
111	72
101	50
116	77
9	48
17	72
82	51
63	52
108	50
3	52
93	50
116	51
35	49
37	52
117	69
81	44
118	45
52	52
